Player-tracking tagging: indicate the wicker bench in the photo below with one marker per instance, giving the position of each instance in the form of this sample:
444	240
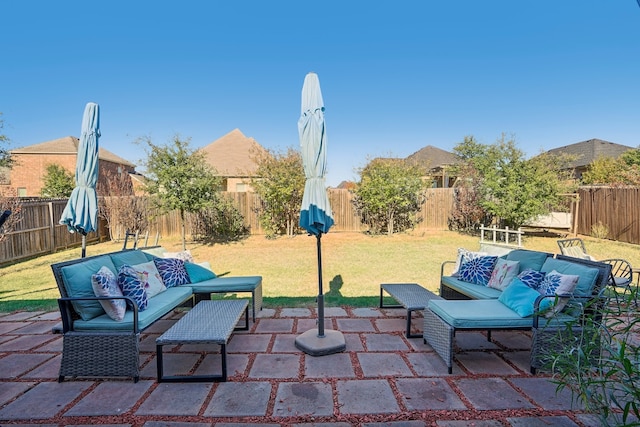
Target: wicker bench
209	322
411	296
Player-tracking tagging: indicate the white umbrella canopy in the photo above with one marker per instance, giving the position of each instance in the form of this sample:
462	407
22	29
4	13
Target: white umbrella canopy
81	212
315	213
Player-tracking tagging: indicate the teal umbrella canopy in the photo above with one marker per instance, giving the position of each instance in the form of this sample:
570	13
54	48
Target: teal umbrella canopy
81	213
315	213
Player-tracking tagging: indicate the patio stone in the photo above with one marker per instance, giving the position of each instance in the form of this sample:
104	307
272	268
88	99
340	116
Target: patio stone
520	359
542	422
174	364
285	343
265	313
303	325
25	342
366	312
49	398
48	370
295	312
21	316
396	424
366	397
174	424
320	425
355	325
275	326
543	392
160	326
390	325
419	394
385	342
275	366
8	327
383	365
515	340
491	393
430	365
54	346
16	364
9	391
336	365
335	312
212	364
353	342
248	343
466	340
36	328
230	400
469	423
177	399
308	398
479	362
122	397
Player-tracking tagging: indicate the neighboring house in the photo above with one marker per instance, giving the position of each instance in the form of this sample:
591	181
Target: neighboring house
234	158
586	152
438	162
30	167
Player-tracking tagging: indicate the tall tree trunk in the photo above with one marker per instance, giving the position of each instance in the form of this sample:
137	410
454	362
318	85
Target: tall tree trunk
184	230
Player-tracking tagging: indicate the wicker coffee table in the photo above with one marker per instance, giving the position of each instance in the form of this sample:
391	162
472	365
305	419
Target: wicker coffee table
209	322
411	296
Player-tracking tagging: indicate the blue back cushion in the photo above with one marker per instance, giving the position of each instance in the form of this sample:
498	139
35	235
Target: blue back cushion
77	282
528	259
587	275
128	257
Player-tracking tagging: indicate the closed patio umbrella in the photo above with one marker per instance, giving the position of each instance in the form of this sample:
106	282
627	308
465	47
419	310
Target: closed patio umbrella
81	213
315	213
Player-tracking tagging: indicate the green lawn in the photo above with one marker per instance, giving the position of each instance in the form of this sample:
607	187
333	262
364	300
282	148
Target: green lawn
354	265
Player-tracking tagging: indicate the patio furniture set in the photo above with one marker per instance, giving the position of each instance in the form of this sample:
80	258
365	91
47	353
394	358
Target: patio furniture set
472	297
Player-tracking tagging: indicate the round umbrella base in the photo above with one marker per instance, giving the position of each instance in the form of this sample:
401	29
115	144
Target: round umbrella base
312	344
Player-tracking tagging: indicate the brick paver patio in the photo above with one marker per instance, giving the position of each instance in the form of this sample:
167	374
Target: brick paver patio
382	378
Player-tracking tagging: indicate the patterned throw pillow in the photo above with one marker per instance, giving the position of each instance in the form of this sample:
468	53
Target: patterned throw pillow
105	284
555	283
183	255
478	270
172	271
465	255
531	278
152	277
131	285
503	273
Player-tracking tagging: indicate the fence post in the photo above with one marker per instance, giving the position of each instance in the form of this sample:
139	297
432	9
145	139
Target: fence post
52	231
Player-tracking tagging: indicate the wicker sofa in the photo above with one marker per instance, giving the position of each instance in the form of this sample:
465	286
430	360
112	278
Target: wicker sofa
470	306
94	344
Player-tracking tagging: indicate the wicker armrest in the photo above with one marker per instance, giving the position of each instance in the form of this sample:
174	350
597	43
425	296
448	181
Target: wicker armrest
66	310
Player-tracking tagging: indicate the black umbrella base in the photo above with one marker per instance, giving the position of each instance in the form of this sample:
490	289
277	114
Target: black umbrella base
312	344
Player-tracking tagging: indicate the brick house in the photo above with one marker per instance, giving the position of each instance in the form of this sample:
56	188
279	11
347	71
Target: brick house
29	170
438	162
233	157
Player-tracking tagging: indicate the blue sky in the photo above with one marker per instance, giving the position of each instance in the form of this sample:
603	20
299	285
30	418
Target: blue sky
395	76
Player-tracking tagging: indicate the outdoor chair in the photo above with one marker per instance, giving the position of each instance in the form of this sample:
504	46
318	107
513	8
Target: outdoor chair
621	270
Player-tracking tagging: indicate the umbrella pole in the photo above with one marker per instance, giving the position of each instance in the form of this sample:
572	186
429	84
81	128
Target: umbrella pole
84	245
320	294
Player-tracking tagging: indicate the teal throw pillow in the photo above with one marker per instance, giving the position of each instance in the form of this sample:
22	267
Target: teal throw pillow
198	273
519	298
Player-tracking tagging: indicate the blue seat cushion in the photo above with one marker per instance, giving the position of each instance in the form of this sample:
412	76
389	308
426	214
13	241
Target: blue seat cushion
227	284
471	289
157	307
478	314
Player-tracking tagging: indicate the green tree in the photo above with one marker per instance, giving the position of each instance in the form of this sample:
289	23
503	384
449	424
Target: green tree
179	179
624	170
389	195
58	182
279	181
5	155
512	188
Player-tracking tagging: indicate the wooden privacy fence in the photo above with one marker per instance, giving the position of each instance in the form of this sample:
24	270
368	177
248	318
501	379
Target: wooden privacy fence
39	232
616	208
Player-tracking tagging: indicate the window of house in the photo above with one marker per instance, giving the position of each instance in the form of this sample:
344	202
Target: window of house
241	187
22	192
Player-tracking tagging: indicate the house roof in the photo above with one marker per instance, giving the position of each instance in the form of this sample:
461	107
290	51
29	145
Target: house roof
233	155
588	151
69	145
434	157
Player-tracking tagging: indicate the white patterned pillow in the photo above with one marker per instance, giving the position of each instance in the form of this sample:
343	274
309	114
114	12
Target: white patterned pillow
183	255
503	273
104	284
558	284
154	281
465	255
